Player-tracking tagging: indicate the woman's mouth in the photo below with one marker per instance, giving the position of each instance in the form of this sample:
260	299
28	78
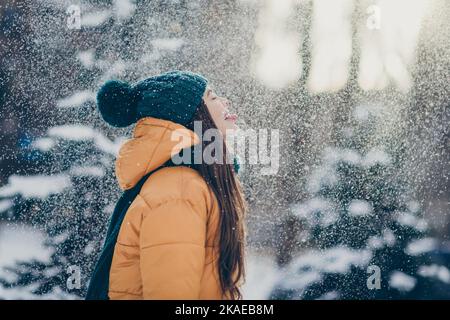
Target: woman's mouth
230	116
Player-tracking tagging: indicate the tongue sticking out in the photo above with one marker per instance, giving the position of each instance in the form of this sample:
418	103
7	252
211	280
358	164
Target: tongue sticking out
231	116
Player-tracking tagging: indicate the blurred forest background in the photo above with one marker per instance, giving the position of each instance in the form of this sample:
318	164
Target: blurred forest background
359	90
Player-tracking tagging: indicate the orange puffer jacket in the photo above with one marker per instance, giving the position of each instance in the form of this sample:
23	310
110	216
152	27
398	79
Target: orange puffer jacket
167	247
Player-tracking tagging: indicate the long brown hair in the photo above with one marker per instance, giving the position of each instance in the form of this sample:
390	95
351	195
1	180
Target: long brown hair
223	181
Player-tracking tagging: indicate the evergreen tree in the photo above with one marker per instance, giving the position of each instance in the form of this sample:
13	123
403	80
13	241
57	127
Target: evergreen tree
75	48
72	200
369	239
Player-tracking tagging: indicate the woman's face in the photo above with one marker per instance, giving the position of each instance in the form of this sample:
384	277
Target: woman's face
218	107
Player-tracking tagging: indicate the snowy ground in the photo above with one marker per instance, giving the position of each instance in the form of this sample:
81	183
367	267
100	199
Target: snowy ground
19	243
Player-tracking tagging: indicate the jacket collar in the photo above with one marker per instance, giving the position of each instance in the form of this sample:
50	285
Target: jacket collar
153	143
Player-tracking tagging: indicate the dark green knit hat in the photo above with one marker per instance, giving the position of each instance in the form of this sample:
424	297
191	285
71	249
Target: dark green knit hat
172	96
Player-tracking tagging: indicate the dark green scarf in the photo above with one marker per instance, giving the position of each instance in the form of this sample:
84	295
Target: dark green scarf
99	283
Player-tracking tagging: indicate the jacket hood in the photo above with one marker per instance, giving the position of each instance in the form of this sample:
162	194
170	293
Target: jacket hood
153	143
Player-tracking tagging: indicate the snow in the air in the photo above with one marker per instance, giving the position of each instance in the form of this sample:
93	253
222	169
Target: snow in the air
358	91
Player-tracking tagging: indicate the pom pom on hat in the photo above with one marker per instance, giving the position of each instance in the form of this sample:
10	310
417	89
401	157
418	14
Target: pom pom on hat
117	103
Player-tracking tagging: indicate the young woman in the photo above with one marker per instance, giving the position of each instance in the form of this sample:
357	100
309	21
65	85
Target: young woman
183	235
